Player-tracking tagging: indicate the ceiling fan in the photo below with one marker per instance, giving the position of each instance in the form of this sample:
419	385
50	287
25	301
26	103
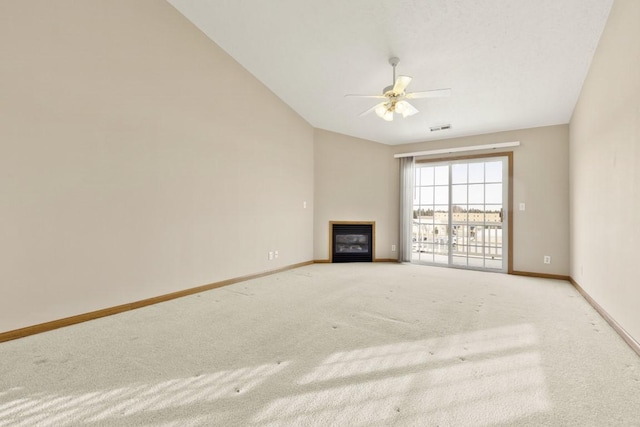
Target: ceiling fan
395	97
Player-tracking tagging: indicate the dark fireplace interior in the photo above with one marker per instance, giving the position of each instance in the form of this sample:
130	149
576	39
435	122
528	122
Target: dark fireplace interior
352	243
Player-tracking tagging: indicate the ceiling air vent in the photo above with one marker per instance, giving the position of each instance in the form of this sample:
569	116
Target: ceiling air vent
437	128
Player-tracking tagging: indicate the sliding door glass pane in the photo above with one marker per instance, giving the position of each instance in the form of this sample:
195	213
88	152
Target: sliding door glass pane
459	193
493	171
493	193
459	214
476	193
442	175
426	195
476	172
426	176
459	173
441	195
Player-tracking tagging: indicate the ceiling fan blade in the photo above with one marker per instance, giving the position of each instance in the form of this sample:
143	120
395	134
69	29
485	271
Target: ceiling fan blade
406	109
367	96
401	84
438	93
372	109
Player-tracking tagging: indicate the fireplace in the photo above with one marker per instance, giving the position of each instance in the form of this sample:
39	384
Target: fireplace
352	241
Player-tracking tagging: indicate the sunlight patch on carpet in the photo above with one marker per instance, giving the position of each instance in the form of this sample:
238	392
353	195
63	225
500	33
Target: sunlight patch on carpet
42	409
353	404
416	353
488	376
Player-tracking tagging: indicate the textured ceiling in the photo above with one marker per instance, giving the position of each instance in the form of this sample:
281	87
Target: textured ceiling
511	64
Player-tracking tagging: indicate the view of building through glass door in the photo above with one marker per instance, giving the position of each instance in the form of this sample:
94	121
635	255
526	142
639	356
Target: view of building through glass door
459	213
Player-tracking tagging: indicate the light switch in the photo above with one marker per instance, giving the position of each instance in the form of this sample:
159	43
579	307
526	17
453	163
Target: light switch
522	206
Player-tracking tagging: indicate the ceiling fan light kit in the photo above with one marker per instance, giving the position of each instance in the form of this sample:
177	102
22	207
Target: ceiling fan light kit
395	97
384	111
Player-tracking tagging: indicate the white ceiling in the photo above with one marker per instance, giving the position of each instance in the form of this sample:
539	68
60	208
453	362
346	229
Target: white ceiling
511	64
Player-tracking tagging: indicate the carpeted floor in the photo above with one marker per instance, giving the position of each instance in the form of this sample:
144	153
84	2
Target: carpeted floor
334	345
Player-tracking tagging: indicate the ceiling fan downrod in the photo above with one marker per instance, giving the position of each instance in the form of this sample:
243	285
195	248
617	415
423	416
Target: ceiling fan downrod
393	61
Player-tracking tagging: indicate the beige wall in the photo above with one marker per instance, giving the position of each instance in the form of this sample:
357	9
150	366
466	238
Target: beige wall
355	180
137	159
541	181
605	177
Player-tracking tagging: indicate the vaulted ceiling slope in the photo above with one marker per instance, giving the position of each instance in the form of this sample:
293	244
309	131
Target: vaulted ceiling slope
510	64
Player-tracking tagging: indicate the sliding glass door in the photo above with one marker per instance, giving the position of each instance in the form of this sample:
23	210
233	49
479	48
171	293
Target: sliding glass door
460	213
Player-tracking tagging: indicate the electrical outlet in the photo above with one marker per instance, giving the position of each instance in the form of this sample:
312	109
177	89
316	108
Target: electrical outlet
304	205
270	255
393	248
547	259
276	254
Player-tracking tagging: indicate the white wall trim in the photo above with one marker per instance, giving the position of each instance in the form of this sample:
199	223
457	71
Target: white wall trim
459	149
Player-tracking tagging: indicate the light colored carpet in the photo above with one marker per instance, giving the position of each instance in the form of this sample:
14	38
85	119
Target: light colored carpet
343	345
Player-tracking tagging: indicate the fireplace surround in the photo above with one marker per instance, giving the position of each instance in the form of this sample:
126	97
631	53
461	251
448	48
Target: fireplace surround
351	241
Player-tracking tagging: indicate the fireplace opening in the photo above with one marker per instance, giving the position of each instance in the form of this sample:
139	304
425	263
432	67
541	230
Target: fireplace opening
351	242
